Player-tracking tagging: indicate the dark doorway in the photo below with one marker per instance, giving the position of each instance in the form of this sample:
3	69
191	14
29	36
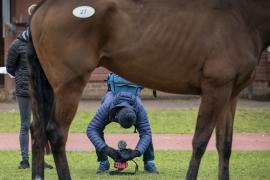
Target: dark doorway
1	46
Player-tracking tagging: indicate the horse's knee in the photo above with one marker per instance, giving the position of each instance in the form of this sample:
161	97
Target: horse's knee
55	136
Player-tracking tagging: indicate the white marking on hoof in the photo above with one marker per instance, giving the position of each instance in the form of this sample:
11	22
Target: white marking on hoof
83	11
38	178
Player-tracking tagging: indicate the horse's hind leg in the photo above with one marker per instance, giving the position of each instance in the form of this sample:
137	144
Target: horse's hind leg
42	105
224	133
213	104
66	102
57	140
38	145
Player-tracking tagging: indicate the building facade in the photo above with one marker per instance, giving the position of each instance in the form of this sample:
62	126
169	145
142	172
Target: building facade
13	20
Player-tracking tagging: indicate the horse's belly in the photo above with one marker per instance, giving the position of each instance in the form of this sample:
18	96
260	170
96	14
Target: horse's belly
172	78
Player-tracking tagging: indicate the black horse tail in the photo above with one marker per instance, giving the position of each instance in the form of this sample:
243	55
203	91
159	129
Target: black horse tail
42	98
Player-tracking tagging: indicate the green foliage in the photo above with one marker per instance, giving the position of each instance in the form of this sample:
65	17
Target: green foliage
172	166
180	121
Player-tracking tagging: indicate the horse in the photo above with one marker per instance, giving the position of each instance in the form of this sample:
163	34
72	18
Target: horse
202	47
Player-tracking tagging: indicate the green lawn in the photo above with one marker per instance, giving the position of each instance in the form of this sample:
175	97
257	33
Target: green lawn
172	165
162	121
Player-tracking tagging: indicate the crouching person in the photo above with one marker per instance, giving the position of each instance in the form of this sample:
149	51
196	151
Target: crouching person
125	108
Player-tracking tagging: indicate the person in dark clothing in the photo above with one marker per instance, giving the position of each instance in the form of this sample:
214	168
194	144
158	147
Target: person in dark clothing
127	110
17	67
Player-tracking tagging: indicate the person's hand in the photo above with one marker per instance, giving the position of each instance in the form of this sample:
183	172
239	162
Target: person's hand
113	153
129	154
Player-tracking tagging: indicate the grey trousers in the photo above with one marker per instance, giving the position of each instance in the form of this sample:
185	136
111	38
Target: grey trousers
25	115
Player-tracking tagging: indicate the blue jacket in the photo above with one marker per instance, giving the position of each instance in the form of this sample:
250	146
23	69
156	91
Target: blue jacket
106	113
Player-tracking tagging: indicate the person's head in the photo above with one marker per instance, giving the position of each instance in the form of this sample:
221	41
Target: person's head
31	9
126	117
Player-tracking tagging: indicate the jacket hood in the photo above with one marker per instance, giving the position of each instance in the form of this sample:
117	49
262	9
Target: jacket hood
121	100
24	36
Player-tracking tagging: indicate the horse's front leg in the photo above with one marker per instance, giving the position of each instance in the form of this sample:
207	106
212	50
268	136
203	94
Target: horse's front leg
66	102
213	103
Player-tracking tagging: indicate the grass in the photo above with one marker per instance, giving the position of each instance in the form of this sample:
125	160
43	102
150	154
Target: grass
162	121
172	165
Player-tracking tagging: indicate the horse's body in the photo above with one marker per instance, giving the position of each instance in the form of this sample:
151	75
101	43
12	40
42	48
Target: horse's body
204	47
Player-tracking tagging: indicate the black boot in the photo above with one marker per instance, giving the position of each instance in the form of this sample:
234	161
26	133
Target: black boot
24	164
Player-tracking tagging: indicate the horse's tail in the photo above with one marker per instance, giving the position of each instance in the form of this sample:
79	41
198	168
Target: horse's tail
42	97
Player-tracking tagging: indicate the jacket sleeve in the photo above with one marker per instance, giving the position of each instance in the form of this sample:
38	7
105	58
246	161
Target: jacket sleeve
97	125
12	59
144	129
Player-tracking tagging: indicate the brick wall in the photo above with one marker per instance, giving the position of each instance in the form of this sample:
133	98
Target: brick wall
97	87
95	90
260	88
263	68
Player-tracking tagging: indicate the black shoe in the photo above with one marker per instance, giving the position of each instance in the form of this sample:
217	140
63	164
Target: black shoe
24	164
46	165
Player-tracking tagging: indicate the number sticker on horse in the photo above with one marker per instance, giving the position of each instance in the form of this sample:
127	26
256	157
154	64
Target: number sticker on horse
83	11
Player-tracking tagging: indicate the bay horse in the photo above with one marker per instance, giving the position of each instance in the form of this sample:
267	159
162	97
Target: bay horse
202	47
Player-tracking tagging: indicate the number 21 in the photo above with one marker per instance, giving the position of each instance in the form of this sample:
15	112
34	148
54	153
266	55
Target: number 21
83	11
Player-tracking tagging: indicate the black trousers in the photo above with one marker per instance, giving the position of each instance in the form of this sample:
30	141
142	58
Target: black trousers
25	116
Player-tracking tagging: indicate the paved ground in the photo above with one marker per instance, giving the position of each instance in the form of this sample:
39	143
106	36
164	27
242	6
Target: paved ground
79	142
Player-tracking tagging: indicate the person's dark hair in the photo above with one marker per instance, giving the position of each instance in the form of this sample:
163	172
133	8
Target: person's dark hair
126	117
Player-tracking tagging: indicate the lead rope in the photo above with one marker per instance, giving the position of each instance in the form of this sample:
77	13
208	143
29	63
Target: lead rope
136	166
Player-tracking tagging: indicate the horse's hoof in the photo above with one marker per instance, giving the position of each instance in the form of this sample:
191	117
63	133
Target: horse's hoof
38	178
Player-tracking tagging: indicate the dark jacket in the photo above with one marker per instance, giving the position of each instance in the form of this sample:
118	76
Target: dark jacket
17	63
106	113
